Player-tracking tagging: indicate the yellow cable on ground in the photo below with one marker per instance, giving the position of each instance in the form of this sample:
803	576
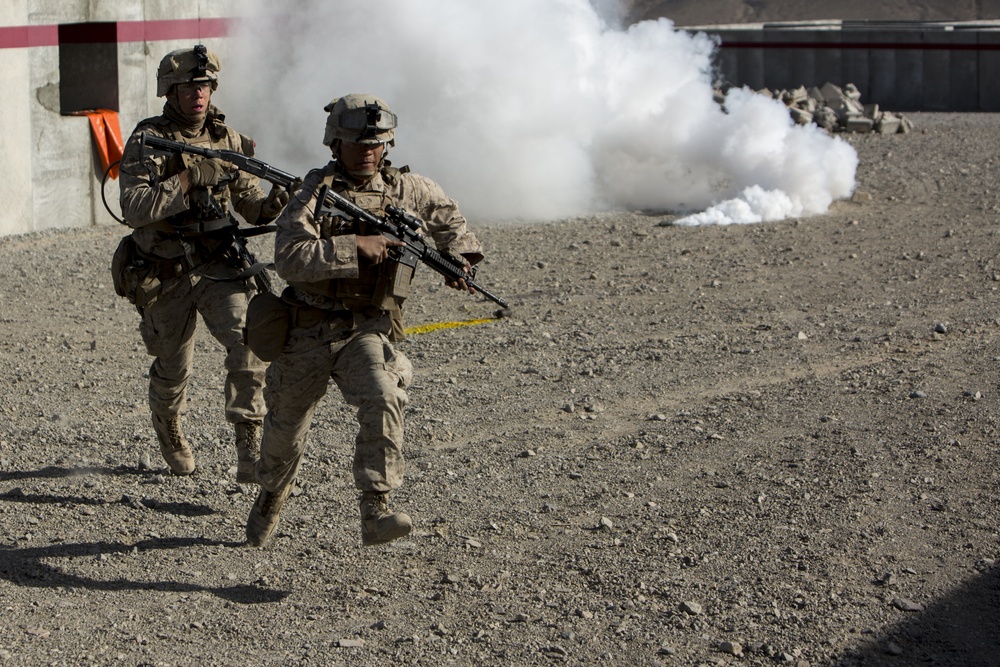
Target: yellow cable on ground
427	328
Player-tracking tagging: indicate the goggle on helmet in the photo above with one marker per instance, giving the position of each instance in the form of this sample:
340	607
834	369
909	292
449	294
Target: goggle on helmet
361	119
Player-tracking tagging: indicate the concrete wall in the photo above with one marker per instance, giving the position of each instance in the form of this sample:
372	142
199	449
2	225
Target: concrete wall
49	168
15	128
928	66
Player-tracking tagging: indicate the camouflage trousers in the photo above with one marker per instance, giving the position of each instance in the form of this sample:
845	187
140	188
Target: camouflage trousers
372	376
168	330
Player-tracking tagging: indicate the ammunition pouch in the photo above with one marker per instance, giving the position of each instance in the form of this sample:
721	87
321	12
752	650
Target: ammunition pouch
135	277
266	330
398	333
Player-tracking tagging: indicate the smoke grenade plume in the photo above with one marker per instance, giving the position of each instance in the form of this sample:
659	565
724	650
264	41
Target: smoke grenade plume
533	109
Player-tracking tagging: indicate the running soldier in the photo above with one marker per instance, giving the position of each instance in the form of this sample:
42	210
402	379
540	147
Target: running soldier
179	208
345	298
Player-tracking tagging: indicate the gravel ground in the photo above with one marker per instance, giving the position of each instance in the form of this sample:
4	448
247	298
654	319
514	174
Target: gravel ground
755	445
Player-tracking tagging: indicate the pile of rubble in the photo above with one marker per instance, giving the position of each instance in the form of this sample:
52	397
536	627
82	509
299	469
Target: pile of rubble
836	109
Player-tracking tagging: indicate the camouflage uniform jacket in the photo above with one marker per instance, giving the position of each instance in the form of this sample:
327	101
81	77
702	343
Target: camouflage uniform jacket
152	200
311	253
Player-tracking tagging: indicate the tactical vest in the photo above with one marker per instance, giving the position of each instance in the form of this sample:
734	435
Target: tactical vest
209	207
384	286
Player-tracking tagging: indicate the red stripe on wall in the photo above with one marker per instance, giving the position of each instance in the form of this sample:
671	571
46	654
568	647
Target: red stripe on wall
155	31
23	36
26	36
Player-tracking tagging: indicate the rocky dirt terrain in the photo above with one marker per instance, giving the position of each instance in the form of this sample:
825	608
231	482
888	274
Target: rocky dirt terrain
754	445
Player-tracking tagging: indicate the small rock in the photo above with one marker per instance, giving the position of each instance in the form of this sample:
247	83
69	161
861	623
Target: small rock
860	197
907	605
941	328
691	608
606	524
892	648
557	652
731	648
350	643
132	501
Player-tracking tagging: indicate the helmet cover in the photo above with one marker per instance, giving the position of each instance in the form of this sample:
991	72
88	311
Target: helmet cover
361	119
187	66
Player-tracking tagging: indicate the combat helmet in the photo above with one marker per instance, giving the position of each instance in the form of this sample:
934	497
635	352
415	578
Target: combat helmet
185	66
361	119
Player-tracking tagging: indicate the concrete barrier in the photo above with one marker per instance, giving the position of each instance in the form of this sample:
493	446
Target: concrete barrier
904	66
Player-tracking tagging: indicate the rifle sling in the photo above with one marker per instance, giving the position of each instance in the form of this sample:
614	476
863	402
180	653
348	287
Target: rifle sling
246	273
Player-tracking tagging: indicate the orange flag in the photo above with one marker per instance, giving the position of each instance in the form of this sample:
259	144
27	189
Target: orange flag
107	137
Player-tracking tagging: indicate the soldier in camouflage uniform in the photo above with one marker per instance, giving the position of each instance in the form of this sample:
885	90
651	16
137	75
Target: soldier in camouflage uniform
179	209
345	299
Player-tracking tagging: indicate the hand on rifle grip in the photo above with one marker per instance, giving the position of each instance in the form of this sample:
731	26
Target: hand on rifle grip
208	172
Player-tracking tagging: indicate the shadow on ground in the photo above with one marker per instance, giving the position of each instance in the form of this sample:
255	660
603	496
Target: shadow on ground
960	630
29	567
151	504
33	566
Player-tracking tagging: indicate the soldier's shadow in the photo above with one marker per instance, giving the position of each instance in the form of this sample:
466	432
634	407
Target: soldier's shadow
19	496
55	472
29	567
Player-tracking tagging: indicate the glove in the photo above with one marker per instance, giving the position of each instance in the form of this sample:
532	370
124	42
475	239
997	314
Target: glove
207	172
271	208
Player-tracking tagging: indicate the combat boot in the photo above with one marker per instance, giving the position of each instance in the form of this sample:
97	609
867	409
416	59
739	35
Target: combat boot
378	524
173	445
263	517
247	451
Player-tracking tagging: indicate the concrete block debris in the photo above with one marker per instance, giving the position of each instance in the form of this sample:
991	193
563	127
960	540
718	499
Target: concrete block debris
834	108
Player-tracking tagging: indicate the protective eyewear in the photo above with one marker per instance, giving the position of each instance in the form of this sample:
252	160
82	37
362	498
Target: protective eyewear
369	121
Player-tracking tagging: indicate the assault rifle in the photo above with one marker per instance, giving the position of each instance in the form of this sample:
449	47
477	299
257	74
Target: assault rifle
397	224
401	226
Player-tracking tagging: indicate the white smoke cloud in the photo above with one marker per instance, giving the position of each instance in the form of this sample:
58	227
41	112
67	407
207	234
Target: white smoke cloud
533	109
